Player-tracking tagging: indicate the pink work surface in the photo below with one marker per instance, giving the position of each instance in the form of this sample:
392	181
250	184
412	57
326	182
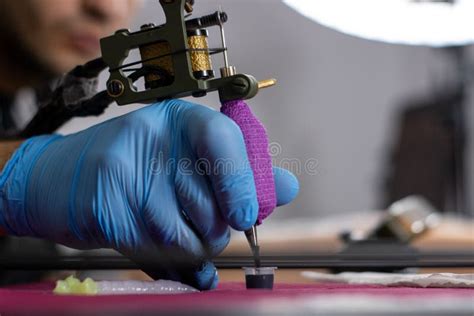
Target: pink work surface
38	299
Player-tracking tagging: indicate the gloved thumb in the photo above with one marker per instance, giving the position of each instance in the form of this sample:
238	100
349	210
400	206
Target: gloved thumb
286	186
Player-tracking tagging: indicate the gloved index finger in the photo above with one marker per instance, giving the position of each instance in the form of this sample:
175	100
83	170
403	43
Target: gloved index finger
222	156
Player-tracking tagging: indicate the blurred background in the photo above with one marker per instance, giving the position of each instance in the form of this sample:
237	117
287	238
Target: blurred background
336	117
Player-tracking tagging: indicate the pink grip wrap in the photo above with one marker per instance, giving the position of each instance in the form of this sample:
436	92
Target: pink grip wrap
256	142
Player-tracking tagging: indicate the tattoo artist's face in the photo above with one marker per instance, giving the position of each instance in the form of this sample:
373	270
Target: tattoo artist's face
63	33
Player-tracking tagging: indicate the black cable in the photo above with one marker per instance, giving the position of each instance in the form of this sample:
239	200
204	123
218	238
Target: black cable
212	51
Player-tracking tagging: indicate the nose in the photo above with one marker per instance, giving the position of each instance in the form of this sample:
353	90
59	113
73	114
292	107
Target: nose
109	10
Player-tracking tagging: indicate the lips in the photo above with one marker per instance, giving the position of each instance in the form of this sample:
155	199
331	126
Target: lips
85	43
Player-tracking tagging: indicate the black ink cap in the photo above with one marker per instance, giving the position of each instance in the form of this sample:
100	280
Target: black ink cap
259	278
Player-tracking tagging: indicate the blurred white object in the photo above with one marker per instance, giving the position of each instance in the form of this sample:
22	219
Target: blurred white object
143	287
411	22
393	279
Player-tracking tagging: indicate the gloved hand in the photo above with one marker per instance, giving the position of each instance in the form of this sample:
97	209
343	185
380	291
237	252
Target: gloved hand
159	184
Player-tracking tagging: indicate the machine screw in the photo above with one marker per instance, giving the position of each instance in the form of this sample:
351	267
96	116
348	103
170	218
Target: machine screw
240	85
188	6
115	88
217	18
122	31
147	26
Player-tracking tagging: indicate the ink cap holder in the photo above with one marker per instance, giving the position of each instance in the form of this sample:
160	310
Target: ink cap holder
259	278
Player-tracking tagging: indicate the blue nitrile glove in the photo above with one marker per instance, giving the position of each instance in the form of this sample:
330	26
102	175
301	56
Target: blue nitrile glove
131	184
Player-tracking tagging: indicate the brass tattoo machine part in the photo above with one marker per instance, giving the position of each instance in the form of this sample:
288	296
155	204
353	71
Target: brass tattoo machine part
267	83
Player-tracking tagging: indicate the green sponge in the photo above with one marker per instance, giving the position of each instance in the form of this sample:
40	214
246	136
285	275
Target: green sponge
73	286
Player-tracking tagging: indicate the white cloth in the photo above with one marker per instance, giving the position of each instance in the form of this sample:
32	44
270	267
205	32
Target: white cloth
394	279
